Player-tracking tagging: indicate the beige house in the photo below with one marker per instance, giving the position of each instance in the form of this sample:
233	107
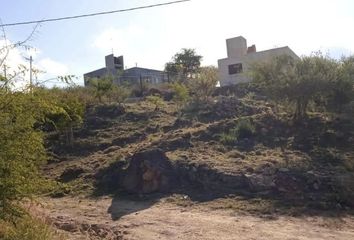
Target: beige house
234	68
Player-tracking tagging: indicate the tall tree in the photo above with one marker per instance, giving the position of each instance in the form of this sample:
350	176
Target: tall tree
184	64
298	81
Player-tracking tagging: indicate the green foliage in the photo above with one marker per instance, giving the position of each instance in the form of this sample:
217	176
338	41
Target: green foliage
228	138
342	92
204	84
300	82
118	94
101	86
181	94
243	129
65	110
184	65
157	101
21	150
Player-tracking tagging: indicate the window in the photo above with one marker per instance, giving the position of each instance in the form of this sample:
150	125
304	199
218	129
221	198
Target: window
235	68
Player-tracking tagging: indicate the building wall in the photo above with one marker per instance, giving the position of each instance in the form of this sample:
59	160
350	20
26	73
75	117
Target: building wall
236	47
115	68
247	60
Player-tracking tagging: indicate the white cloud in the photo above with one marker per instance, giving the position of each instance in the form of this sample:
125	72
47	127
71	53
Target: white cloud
52	67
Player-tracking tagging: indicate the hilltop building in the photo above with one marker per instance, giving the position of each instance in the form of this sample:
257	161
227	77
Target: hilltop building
234	69
115	68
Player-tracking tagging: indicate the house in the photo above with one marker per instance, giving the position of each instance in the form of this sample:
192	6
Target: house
115	68
235	68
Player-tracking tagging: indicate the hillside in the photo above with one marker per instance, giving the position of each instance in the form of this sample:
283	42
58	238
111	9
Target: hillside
134	159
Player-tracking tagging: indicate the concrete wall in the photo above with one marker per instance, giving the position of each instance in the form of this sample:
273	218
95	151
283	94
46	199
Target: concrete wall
236	47
240	55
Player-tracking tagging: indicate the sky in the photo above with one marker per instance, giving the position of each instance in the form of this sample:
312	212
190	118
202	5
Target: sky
150	37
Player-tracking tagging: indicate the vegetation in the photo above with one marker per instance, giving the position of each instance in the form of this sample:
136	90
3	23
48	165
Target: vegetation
181	94
101	87
243	129
27	228
156	101
184	65
204	84
316	79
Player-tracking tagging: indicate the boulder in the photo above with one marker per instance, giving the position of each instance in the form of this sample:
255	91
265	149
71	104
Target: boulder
149	171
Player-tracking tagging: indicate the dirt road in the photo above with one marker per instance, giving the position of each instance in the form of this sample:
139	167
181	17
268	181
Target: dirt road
108	218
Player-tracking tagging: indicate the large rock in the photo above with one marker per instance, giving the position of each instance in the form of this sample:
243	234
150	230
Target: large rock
149	171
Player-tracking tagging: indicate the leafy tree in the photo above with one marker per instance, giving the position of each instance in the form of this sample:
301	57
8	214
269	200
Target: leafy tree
65	113
204	84
298	81
21	150
118	94
101	86
342	90
184	64
181	94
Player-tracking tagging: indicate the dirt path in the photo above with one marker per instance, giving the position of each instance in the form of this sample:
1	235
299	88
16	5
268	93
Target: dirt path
93	219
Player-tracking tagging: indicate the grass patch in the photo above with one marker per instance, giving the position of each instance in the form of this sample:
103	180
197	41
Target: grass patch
28	228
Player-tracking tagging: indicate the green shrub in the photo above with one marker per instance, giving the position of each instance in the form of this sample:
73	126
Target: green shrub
244	129
157	101
228	138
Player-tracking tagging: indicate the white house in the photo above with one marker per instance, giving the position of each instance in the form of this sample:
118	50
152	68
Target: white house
234	68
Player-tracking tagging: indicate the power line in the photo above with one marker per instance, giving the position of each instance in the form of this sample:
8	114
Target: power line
91	14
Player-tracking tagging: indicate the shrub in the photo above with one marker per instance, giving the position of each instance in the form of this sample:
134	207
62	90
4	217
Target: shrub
181	94
157	101
244	129
228	138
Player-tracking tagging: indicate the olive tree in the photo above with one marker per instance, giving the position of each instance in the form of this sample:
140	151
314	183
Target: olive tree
298	81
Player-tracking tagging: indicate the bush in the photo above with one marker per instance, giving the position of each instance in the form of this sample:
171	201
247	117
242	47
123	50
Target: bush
157	101
181	94
244	129
228	138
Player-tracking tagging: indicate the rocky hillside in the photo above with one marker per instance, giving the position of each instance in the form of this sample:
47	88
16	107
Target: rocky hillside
229	146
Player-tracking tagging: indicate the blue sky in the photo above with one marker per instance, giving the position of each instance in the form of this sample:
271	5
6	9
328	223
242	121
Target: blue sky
150	37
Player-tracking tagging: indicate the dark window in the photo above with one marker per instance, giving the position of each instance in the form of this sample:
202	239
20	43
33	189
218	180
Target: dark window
235	68
116	61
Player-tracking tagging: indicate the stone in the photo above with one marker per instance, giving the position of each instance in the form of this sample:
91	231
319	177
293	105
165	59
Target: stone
149	171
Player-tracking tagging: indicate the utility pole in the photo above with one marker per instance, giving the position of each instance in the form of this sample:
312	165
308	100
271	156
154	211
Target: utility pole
5	71
31	59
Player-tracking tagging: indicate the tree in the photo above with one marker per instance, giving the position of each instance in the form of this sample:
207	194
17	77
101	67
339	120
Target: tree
118	94
342	92
65	111
298	81
184	65
204	84
101	86
181	94
21	150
